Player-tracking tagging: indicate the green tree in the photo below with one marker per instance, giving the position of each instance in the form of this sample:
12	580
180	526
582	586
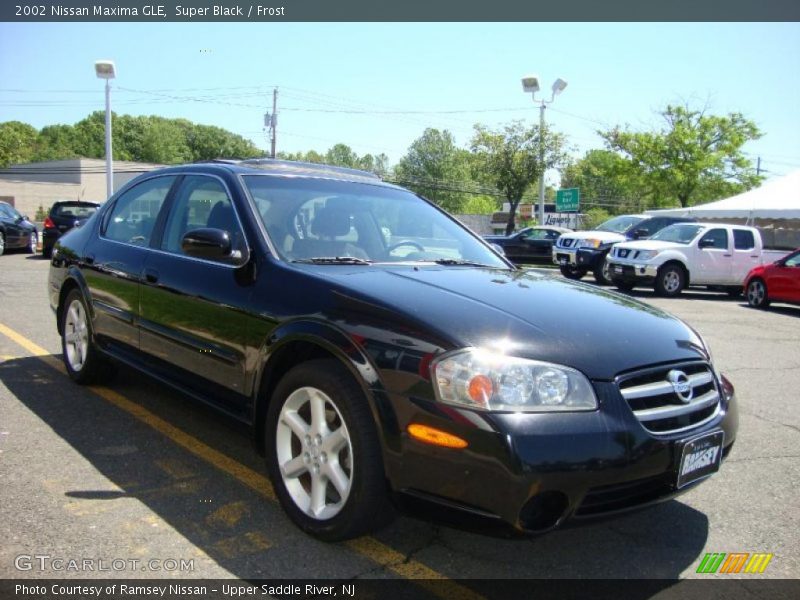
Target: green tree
17	142
606	179
55	142
435	168
342	155
693	157
479	205
509	159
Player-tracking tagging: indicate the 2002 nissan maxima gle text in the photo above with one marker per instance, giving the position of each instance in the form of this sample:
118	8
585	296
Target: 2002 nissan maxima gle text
376	347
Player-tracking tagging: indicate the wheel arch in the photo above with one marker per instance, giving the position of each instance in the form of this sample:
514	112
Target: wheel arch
300	341
73	280
678	262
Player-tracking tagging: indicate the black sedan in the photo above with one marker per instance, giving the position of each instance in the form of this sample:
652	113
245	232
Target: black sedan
16	231
378	349
532	244
64	215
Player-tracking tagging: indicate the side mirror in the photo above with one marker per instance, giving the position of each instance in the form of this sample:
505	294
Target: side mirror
705	243
208	243
498	248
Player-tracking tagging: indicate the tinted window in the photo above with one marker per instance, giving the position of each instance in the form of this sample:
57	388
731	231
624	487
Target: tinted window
79	211
134	213
539	234
4	211
743	240
719	237
794	261
200	202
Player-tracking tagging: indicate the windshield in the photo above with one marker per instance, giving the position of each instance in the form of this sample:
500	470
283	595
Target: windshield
309	219
681	233
619	224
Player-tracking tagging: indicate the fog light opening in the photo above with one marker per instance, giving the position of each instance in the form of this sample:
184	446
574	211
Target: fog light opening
543	511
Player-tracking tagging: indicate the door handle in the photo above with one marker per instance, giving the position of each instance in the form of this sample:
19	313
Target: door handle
151	276
726	255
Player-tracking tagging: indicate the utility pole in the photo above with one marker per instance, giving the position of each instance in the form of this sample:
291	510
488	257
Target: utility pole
758	167
274	122
271	123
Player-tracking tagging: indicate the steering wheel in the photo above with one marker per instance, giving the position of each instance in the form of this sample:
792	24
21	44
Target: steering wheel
397	245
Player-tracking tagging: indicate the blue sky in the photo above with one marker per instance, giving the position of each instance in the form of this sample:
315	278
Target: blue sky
223	74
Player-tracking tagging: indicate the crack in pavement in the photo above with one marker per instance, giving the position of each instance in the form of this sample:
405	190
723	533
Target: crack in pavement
793	427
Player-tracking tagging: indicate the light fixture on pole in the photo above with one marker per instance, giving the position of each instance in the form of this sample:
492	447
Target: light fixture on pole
530	85
105	70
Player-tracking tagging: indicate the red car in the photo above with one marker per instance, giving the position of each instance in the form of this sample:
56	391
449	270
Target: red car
777	282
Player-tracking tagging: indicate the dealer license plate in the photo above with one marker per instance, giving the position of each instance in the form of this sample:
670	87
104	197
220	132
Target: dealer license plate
700	457
617	269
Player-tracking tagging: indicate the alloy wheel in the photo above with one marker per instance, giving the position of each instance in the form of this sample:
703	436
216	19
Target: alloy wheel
756	293
314	453
76	335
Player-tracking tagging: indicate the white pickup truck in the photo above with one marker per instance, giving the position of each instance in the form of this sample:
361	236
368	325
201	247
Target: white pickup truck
709	254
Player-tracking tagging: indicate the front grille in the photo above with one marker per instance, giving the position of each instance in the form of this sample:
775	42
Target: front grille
626	253
563	242
653	396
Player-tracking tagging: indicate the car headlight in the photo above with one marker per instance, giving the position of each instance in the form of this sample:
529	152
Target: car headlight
493	381
647	254
590	243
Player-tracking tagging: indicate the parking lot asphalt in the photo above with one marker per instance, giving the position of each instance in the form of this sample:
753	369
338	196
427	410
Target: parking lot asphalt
136	472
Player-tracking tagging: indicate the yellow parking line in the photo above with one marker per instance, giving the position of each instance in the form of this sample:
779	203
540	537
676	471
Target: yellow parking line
366	546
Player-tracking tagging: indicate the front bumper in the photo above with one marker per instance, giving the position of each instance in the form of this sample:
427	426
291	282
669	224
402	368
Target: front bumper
582	258
632	272
538	471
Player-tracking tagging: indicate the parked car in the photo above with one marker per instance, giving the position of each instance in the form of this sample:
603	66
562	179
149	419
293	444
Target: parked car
708	254
583	251
776	282
532	244
63	216
16	231
422	364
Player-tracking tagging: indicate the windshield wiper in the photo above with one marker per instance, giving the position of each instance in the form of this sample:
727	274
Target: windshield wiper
334	260
450	262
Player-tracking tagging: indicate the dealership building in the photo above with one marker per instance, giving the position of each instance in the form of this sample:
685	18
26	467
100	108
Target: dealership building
30	186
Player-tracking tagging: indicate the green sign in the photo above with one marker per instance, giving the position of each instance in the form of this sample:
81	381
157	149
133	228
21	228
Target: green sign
568	200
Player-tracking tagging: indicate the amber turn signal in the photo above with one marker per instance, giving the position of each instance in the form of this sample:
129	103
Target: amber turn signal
437	437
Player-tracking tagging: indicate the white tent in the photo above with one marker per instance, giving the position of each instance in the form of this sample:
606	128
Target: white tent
776	199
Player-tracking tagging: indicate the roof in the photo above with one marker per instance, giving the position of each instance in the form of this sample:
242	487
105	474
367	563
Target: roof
776	199
287	167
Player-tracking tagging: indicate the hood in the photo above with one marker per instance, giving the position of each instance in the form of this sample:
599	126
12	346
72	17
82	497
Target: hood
606	237
537	316
651	245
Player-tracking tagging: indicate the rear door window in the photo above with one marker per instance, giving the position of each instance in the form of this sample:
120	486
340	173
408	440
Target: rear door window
134	214
743	239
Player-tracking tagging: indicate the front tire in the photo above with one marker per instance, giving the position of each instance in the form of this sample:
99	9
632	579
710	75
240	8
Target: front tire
83	361
602	272
323	453
670	280
2	243
571	272
757	296
622	285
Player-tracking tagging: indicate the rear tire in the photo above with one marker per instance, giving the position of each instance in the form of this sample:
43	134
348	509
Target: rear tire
571	272
670	280
323	453
83	361
2	243
33	243
757	296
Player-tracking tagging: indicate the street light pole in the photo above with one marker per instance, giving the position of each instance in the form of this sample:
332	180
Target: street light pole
530	84
104	69
541	162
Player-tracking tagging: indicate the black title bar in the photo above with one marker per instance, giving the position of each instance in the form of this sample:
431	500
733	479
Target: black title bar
263	11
